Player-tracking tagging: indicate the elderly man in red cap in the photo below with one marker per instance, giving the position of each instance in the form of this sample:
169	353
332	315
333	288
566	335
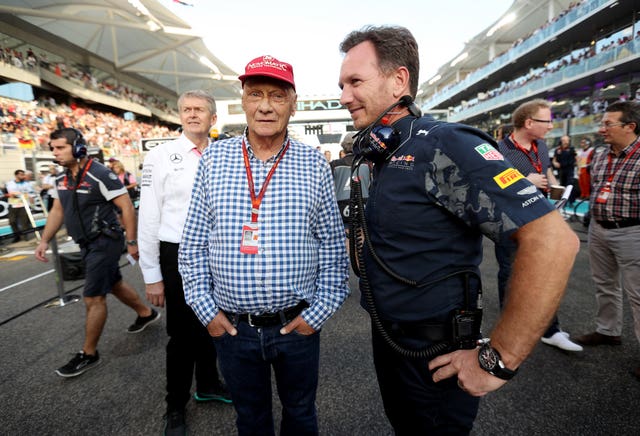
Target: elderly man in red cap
263	257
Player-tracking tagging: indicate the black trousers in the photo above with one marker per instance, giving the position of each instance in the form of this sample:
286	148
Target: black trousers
190	347
413	403
19	222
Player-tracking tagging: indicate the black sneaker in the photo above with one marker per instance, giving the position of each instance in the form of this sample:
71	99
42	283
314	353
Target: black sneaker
142	322
218	393
80	363
175	423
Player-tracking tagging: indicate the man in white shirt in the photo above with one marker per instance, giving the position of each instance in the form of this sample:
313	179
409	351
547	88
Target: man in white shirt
18	218
49	182
167	178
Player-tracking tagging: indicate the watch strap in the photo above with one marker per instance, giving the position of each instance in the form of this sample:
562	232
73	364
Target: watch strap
499	369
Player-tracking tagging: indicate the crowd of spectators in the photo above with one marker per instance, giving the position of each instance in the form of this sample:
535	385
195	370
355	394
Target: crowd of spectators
18	59
548	23
32	122
598	105
84	76
577	56
517	42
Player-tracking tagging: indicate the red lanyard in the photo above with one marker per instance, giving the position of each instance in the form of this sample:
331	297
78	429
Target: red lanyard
81	178
615	170
537	164
256	201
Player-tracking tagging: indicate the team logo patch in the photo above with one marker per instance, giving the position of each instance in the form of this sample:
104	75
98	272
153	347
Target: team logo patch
175	158
528	190
113	176
508	177
402	162
488	152
532	200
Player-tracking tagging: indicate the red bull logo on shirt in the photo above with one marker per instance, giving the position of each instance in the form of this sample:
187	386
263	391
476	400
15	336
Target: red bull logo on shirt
402	162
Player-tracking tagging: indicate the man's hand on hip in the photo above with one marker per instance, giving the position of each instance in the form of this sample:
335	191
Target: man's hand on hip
464	364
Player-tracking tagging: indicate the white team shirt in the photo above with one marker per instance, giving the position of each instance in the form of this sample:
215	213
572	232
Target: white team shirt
167	178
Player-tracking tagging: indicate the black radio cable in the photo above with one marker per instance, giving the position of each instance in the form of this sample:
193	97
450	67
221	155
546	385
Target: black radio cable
359	232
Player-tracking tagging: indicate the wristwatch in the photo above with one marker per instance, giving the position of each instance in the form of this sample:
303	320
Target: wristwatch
490	360
132	242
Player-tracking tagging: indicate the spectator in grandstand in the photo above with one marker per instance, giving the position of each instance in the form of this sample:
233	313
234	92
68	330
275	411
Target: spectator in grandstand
19	191
83	200
341	169
614	229
126	178
583	160
526	150
16	59
264	269
167	179
327	155
439	188
18	116
564	160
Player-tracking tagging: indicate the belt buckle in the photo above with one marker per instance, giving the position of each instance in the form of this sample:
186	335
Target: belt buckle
249	320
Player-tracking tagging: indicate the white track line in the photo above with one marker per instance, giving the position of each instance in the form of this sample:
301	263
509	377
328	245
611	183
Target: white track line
27	280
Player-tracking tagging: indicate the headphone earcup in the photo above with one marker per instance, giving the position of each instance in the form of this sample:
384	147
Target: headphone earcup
378	143
79	146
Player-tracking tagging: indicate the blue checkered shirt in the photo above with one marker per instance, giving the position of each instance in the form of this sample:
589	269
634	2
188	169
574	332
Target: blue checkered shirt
301	255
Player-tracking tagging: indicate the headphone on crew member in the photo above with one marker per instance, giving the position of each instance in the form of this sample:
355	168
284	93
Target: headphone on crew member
377	142
79	144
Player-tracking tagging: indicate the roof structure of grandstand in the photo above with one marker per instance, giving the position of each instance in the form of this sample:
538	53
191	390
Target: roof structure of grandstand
144	45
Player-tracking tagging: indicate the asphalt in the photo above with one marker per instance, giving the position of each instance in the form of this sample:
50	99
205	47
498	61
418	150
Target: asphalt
554	393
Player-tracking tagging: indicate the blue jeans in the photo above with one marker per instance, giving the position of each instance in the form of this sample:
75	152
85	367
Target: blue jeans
505	253
246	360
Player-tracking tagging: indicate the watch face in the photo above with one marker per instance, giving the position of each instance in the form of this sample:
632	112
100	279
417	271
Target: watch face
488	358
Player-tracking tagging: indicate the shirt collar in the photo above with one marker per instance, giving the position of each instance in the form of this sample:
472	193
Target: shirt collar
187	145
625	150
272	158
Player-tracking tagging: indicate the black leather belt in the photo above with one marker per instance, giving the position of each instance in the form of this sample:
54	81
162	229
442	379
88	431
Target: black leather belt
419	330
269	319
619	224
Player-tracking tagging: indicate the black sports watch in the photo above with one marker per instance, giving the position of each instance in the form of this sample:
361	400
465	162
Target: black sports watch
490	360
132	242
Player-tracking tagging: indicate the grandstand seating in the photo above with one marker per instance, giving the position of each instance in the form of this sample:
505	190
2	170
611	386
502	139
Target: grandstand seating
580	60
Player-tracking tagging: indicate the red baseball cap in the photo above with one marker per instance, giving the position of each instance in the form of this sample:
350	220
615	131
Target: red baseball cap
268	66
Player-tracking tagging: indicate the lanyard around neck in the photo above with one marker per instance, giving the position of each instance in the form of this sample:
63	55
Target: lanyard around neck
537	163
81	173
257	200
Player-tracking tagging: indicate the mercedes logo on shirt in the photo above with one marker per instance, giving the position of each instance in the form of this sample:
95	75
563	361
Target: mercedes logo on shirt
175	158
